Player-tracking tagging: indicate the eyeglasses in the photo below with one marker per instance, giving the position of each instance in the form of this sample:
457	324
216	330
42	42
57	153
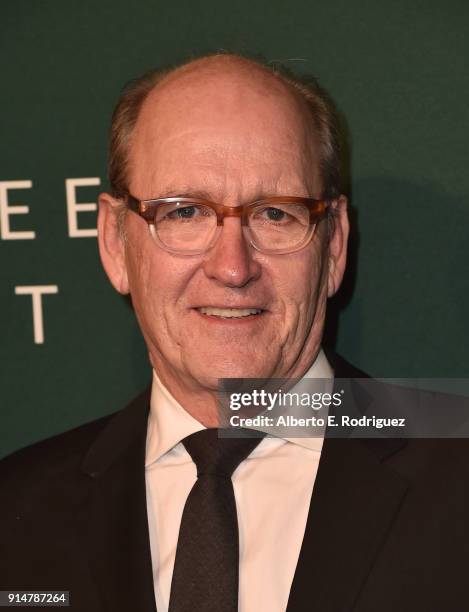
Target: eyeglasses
191	226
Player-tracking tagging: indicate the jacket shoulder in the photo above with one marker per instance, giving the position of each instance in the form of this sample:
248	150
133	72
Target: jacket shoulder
50	457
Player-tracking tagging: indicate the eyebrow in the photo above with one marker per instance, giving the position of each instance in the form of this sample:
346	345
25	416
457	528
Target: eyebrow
203	195
186	193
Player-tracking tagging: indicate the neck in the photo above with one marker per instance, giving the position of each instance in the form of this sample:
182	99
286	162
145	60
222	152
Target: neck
201	403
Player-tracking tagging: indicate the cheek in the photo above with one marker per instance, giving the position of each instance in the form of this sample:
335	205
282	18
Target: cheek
143	273
142	258
152	294
300	282
138	262
302	291
157	282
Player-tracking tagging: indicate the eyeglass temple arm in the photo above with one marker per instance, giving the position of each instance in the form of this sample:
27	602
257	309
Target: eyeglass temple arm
133	203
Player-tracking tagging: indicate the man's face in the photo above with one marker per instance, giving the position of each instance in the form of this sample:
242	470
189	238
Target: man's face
232	137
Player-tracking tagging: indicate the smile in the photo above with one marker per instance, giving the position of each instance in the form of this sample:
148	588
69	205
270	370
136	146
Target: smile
229	313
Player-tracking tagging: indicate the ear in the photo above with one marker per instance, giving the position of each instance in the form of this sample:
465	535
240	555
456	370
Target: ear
112	243
338	239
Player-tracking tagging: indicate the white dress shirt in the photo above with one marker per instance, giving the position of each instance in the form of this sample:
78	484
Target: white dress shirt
272	487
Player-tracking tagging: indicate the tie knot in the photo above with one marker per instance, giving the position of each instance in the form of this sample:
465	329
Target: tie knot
213	454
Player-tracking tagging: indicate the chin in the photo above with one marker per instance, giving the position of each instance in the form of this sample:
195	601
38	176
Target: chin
230	369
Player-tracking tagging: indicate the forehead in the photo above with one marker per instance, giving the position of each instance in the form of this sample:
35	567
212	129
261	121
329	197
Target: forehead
219	123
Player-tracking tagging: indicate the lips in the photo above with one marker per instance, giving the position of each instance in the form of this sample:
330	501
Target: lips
229	313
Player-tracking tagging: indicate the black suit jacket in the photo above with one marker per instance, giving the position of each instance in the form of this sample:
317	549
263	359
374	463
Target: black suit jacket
386	531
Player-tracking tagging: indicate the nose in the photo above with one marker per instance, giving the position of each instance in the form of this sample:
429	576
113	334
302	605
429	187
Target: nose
231	261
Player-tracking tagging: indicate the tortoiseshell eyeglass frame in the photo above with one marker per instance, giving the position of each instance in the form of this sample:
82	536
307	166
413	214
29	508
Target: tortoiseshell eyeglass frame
318	210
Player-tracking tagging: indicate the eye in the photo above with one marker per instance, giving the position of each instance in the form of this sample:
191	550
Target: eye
275	214
184	212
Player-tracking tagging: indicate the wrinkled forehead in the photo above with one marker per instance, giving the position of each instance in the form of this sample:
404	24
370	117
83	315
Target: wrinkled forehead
235	115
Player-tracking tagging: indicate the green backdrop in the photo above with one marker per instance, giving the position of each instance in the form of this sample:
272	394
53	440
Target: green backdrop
397	70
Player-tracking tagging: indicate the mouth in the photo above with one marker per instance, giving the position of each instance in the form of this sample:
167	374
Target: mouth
230	313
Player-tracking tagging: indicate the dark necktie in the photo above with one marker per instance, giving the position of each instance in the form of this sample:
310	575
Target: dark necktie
205	576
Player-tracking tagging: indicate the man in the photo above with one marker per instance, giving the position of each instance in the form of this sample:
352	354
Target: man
227	225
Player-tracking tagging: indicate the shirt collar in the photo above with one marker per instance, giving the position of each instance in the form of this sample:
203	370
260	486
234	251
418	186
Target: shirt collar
169	423
321	369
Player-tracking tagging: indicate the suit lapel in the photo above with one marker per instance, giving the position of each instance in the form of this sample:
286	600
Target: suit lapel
114	521
355	499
